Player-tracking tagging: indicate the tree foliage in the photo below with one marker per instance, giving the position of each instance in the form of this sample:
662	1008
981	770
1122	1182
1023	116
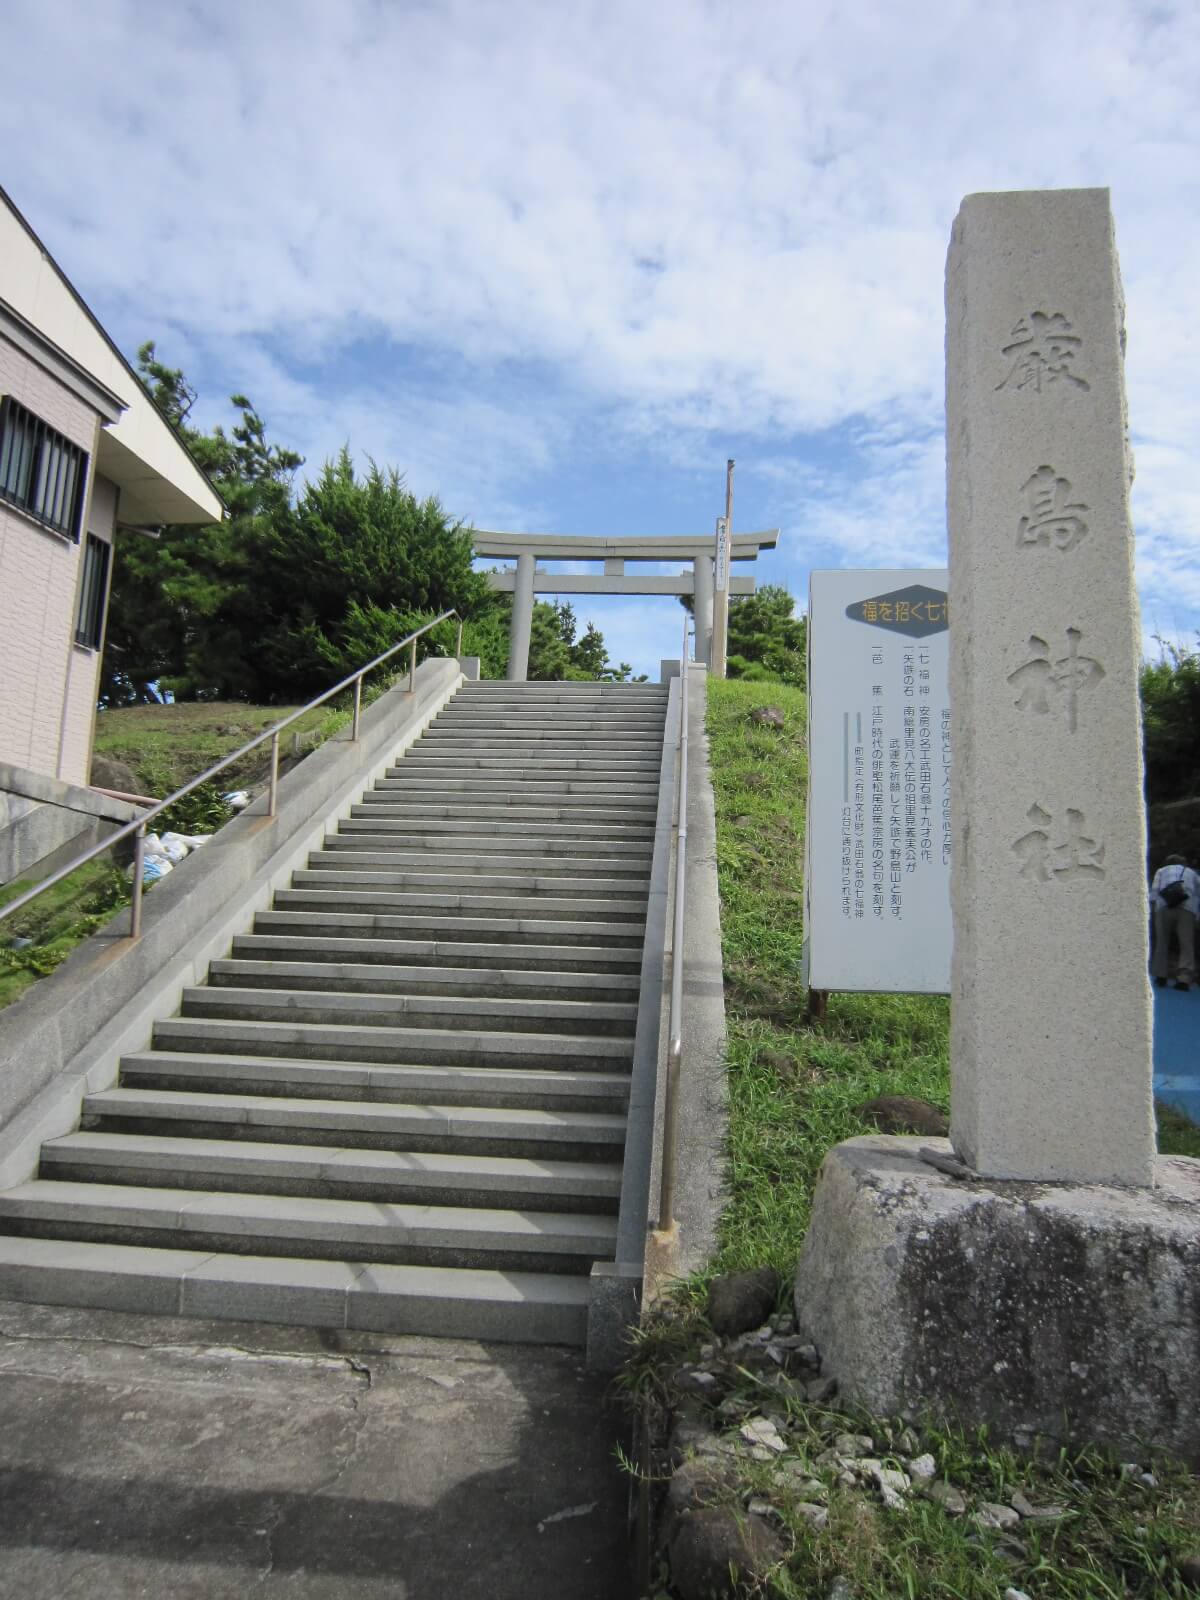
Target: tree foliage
1171	724
293	591
556	650
766	640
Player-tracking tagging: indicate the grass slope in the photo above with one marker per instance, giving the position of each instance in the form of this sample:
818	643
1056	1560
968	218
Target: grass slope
794	1087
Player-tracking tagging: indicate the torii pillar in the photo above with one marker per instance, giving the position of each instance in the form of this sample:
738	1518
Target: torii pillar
702	603
522	618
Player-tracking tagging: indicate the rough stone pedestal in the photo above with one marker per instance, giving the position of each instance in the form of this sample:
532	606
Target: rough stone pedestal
1059	1310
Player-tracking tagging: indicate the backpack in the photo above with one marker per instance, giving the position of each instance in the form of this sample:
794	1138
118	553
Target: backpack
1173	894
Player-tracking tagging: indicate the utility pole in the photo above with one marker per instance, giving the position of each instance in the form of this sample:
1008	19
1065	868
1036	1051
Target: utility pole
721	579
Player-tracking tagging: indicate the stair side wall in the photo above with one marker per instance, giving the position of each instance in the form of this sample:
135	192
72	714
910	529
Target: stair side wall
65	1038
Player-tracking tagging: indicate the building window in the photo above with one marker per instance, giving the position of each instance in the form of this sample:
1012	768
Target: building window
93	592
40	471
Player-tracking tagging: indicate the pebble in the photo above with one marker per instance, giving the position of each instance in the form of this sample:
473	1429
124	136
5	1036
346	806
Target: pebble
853	1444
892	1485
923	1468
907	1443
840	1589
1015	1594
1148	1479
820	1391
758	1507
1038	1513
991	1515
697	1382
952	1501
761	1434
816	1516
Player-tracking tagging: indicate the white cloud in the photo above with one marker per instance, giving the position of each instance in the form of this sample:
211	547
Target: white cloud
556	230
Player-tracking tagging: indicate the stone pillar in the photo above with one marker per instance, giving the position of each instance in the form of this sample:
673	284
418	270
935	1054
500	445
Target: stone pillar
522	619
702	595
1050	1037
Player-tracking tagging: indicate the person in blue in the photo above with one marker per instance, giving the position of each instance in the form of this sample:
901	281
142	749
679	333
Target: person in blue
1174	906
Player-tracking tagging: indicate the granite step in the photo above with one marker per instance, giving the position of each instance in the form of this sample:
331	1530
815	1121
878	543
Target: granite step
363	1125
445	953
373	1009
434	1177
446	1302
502	1047
373	977
500	1239
543	1089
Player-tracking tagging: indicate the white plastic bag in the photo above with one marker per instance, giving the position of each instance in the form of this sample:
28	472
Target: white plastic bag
237	798
174	846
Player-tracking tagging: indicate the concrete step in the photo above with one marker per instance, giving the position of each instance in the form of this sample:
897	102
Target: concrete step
351	854
564	842
499	1239
465	1303
514	1087
455	928
435	763
503	722
352	876
324	1041
527	784
545	908
545	742
560	830
363	1125
444	1178
373	977
440	953
560	690
448	1011
619	822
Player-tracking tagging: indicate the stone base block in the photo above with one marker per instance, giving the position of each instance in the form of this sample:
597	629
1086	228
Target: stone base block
1044	1310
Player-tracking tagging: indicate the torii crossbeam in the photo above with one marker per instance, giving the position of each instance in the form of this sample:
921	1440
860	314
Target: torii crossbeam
613	552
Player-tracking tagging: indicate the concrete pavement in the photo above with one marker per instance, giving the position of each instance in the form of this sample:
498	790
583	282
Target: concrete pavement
198	1461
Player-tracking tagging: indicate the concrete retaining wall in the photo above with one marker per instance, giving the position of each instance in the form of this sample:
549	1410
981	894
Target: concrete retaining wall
66	1036
44	822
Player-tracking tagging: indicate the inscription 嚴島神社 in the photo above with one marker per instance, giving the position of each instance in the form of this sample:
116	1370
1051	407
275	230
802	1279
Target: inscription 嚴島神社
1039	679
1045	859
1051	517
1041	348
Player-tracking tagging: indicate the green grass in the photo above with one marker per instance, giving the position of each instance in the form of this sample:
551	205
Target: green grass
56	922
794	1087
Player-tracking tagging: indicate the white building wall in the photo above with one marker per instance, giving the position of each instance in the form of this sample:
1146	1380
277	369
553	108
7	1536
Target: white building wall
83	682
39	575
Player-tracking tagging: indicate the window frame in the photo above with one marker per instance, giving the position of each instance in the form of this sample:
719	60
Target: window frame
54	473
96	565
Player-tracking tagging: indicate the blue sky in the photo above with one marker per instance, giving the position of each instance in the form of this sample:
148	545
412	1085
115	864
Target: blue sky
557	262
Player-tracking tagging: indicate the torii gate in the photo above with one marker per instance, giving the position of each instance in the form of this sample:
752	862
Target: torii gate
526	580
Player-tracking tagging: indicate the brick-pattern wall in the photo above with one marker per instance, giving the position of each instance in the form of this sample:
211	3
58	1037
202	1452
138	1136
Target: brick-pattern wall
39	575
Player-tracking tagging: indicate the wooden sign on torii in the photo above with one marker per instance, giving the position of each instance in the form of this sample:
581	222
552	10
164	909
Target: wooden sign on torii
526	581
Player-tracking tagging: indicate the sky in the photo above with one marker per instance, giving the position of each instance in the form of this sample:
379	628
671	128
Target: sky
556	263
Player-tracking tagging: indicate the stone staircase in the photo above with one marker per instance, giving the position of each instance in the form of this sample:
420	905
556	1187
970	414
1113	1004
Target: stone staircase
399	1103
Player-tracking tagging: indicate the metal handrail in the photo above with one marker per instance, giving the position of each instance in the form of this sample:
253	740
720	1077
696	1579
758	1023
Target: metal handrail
666	1204
138	825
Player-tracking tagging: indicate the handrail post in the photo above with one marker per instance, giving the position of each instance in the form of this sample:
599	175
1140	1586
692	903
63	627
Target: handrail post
412	668
357	708
139	862
458	642
273	791
666	1201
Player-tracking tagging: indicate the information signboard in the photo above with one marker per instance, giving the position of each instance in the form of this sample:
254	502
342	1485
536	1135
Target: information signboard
721	562
877	851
